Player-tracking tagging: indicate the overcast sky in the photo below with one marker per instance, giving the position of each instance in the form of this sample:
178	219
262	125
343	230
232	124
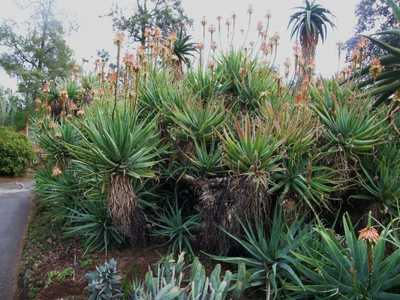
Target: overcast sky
96	33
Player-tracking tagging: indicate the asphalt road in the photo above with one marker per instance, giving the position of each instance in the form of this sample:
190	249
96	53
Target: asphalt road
15	206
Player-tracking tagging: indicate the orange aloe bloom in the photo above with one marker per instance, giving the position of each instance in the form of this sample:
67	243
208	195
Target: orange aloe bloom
56	171
369	234
376	68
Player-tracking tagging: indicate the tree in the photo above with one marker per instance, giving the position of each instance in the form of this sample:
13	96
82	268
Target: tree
168	15
309	25
373	16
37	53
380	77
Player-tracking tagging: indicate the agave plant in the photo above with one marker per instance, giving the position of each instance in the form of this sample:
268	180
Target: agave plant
295	126
158	92
255	86
349	268
268	257
105	282
178	229
381	77
58	194
169	282
232	66
71	87
120	148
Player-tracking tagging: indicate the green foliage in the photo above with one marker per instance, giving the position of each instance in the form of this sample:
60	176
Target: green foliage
105	282
231	67
16	153
311	182
310	22
53	137
380	178
172	281
158	93
350	127
41	54
184	48
348	268
250	150
59	276
11	112
383	84
206	159
196	121
178	229
58	194
268	256
256	86
91	221
205	84
123	144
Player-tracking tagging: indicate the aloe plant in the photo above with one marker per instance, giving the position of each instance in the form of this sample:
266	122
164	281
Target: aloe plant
105	282
249	150
380	179
206	84
121	148
196	121
268	256
349	126
184	48
173	280
176	228
349	267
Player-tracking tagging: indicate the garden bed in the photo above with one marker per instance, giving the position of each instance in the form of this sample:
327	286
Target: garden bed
53	267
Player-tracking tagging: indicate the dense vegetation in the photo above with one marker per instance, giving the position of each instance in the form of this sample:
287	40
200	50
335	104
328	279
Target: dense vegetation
16	153
292	184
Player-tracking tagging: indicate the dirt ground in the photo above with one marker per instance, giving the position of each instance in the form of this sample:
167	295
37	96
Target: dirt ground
54	268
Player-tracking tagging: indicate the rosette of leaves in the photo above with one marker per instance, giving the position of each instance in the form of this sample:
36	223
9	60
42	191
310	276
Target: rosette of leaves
121	149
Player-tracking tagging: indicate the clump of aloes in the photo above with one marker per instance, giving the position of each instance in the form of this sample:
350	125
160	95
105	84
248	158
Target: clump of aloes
255	40
349	267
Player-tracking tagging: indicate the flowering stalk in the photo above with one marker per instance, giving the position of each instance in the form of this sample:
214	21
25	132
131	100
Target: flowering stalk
371	236
118	41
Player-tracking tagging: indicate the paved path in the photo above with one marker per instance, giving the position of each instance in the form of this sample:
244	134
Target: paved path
15	205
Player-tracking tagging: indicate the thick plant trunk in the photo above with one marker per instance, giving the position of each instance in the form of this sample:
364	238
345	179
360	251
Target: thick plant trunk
222	203
124	209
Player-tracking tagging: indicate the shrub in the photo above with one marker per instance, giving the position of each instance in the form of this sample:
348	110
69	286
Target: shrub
16	152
